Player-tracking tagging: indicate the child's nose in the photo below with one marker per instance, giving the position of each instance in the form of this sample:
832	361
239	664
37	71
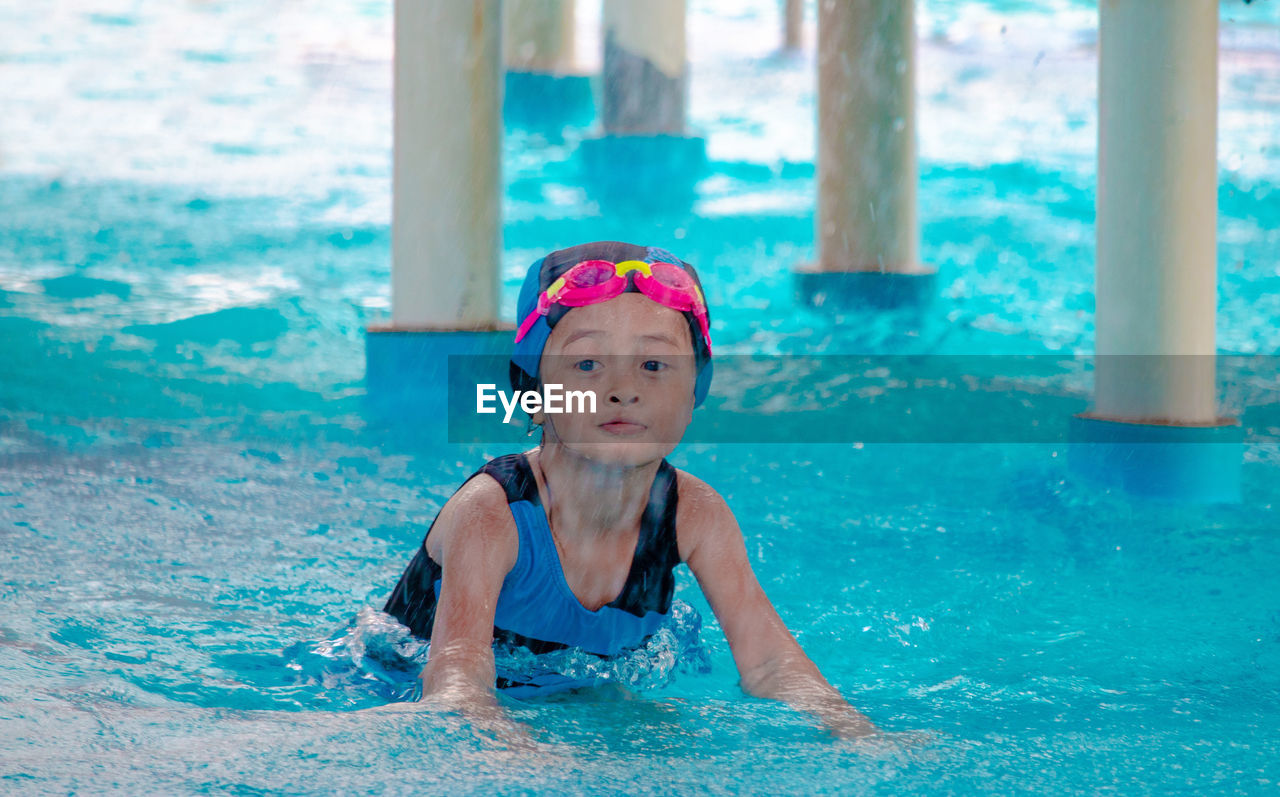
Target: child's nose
623	395
622	389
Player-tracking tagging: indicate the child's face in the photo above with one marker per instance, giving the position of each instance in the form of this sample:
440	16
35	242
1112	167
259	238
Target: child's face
637	356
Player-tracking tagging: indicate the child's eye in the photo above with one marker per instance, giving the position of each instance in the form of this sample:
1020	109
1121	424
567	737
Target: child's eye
655	365
586	365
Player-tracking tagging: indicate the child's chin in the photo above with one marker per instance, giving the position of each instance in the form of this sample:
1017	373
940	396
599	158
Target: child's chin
623	452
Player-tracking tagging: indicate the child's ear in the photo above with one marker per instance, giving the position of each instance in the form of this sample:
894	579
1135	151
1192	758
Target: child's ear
538	417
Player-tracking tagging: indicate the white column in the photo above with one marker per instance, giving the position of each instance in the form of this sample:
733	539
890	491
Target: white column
538	35
446	191
1157	210
645	74
866	218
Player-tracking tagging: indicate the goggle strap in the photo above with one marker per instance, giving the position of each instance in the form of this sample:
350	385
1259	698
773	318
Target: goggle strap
527	324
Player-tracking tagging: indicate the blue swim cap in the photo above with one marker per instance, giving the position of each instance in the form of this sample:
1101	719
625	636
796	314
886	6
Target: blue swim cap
545	270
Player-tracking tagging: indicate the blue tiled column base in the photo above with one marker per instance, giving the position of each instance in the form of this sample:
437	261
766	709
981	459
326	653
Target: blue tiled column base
839	290
544	102
649	172
408	378
1182	464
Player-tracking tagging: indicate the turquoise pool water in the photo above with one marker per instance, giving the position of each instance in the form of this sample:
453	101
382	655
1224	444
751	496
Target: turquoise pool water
199	513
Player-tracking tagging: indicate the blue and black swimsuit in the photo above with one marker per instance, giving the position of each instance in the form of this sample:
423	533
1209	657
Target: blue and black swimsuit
536	609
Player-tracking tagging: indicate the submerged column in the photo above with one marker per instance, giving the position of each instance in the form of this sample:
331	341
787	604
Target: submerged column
544	91
1157	255
867	233
446	191
645	156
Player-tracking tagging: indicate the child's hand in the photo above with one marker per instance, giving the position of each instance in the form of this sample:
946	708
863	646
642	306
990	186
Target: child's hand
846	722
509	734
481	710
488	720
919	743
400	707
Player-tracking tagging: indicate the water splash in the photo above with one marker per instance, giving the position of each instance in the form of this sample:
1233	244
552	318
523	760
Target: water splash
376	659
674	648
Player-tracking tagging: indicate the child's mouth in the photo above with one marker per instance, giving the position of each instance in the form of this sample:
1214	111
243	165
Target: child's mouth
623	427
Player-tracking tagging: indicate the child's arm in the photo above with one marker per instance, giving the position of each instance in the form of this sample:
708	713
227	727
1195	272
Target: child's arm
770	662
476	543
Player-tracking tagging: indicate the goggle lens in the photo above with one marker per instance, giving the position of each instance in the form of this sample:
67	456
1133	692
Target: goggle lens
672	276
591	273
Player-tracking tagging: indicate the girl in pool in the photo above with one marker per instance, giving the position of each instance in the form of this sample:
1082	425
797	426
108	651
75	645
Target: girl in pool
573	543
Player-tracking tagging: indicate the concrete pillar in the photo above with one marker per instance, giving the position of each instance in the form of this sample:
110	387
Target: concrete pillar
867	136
446	235
1157	211
642	113
538	35
1154	427
645	67
793	24
446	239
867	233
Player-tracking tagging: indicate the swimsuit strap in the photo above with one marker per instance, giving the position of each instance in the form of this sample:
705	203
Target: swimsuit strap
512	471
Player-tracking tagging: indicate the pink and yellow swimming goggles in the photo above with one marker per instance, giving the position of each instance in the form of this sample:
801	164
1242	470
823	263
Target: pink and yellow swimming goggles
595	281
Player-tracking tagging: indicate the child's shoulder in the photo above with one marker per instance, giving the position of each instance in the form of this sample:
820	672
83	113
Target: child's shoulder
691	487
482	492
702	514
492	487
480	507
